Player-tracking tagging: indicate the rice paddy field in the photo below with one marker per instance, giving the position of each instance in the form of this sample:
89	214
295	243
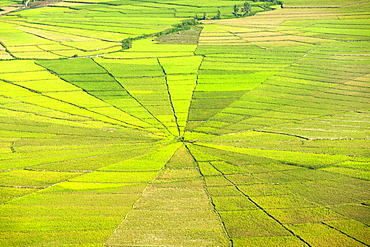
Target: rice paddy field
250	131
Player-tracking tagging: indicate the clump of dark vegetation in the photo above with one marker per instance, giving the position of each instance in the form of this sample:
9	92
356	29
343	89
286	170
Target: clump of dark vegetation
246	9
276	2
186	25
127	43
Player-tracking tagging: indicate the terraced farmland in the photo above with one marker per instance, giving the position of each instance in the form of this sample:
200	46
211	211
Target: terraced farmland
246	131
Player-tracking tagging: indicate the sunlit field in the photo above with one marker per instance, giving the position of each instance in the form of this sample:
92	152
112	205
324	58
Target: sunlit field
129	123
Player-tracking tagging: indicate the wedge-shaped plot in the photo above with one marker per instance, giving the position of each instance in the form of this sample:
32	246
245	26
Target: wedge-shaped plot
309	160
27	178
29	159
189	237
227	168
290	241
106	88
153	95
226	203
53	34
181	65
353	228
11	193
304	215
81	99
28	76
233	203
26	48
93	45
153	161
93	188
323	235
117	177
89	78
177	174
208	169
124	117
70	214
204	107
46	224
36	55
18	66
356	173
17	37
66	107
282	201
19	210
131	67
72	66
181	89
281	177
357	212
263	189
77	238
173	210
252	223
51	84
110	155
218	191
181	159
5	56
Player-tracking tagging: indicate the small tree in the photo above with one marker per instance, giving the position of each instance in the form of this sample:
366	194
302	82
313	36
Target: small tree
236	10
247	8
218	15
205	17
126	44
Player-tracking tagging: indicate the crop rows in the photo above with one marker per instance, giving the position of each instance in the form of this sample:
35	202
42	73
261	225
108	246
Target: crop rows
238	132
84	29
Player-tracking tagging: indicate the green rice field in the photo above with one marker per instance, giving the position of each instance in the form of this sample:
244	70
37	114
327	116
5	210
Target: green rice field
185	123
